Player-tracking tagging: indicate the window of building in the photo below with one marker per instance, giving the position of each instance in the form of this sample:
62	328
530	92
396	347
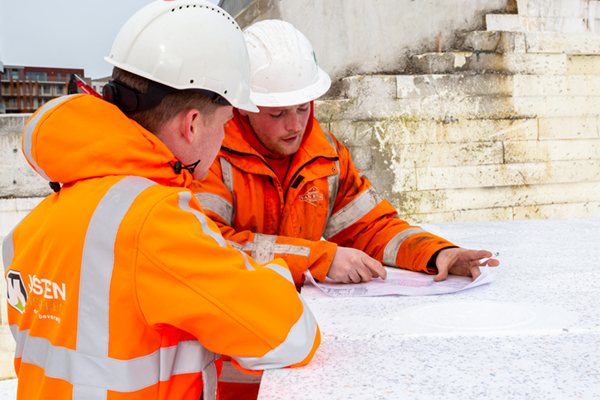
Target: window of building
59	76
13	103
46	89
15	74
36	76
59	89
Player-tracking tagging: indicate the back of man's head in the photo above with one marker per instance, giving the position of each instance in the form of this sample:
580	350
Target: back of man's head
175	55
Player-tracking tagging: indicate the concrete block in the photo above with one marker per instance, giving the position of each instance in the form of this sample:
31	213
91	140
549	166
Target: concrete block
455	85
492	41
514	63
593	85
352	133
569	106
561	42
551	150
478	41
504	22
526	174
450	200
577	85
530	106
569	210
569	128
583	65
540	85
332	110
448	154
369	85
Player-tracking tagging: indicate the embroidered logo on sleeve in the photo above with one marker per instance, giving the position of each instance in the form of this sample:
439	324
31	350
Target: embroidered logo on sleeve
312	196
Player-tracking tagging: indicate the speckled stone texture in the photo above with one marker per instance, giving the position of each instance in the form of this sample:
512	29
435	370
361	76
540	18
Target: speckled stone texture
534	333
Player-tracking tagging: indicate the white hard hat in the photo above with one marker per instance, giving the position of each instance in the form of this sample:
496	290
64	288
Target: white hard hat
186	44
284	66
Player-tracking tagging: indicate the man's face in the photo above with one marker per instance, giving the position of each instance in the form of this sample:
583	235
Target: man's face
208	143
280	129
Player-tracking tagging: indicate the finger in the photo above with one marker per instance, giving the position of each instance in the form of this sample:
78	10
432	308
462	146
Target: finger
475	272
353	277
377	270
364	273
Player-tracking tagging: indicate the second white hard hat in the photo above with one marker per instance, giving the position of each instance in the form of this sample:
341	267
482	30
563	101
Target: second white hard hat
284	67
186	44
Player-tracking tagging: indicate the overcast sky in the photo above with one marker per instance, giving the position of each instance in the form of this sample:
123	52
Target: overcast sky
63	33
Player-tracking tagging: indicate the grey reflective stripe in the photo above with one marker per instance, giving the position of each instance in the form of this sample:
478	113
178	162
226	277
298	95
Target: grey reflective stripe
217	205
108	373
97	264
352	212
393	247
264	248
184	204
8	251
209	376
333	181
30	127
227	173
330	140
295	348
284	272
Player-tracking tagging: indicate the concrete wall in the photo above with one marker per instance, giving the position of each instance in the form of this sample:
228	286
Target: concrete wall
353	37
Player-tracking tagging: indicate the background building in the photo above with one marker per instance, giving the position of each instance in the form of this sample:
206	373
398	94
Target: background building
24	89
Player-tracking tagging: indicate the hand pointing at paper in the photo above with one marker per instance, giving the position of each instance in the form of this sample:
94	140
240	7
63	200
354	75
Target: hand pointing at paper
465	262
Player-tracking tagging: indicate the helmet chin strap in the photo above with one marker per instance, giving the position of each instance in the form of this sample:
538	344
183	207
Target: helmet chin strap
178	166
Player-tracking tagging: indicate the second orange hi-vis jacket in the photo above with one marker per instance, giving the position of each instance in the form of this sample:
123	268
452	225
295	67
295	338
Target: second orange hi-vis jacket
325	197
119	287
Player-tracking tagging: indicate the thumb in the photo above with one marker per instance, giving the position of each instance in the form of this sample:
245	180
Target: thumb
442	273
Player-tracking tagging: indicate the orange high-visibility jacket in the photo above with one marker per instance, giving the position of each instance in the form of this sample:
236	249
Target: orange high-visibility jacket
119	287
327	197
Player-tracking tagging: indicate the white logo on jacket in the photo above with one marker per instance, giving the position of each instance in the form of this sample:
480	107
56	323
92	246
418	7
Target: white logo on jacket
312	196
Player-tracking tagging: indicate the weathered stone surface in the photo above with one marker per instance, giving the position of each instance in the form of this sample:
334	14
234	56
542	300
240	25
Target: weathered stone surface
552	150
525	174
503	22
512	63
17	178
569	128
583	65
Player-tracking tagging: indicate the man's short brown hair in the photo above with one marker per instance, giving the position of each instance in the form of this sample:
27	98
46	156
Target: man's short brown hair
170	106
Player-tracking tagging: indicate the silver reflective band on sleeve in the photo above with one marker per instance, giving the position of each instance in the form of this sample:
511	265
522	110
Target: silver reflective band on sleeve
30	128
264	248
97	264
393	247
352	212
216	204
209	376
295	348
333	181
184	200
227	174
8	251
84	370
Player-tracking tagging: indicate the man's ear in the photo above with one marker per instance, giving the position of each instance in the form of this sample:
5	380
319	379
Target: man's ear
190	124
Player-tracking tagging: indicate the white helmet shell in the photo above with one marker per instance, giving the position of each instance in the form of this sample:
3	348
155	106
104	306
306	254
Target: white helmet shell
284	66
186	44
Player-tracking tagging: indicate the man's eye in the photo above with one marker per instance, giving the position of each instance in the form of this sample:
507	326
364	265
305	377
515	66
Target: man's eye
303	109
277	115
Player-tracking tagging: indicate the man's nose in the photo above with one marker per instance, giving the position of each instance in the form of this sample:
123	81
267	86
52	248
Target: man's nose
292	123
